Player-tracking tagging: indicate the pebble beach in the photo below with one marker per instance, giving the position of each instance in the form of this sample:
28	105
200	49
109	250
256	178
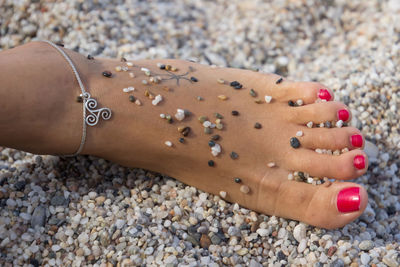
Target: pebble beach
86	211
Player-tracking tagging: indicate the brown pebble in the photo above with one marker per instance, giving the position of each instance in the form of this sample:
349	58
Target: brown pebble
258	101
205	241
223	97
332	251
257	125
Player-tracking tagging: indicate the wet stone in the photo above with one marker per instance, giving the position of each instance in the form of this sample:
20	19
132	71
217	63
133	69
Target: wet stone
235	112
162	67
194	79
294	142
257	125
186	131
211	163
237	180
234	155
107	74
181	140
211	143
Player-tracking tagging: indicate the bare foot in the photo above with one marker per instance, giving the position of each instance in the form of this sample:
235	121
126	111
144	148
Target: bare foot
270	160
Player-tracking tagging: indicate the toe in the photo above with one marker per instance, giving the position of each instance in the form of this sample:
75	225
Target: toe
320	113
308	92
329	205
332	139
349	165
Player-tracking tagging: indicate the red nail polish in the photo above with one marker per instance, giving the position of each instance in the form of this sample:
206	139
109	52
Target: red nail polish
349	199
324	94
359	162
357	140
343	114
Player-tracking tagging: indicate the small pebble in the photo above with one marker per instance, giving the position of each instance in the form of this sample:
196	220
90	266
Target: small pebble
132	98
237	180
219	116
211	163
215	137
118	68
271	164
90	57
244	189
156	100
299	102
222	194
181	140
223	97
234	155
211	143
162	116
339	123
268	98
186	131
107	74
79	99
257	125
137	102
253	93
310	124
294	142
219	126
145	82
132	75
235	112
207	130
291	103
129	64
202	119
221	81
168	143
328	124
194	79
199	98
258	101
279	80
299	133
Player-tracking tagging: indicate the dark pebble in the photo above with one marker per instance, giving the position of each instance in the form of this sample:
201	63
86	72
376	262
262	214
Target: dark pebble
328	124
215	239
215	137
291	103
60	44
181	140
294	142
90	57
34	262
301	175
162	67
238	180
257	125
218	116
20	185
239	86
211	143
253	93
123	59
281	256
186	131
337	263
235	112
234	155
279	80
234	83
132	98
194	79
211	163
107	74
79	99
58	200
38	217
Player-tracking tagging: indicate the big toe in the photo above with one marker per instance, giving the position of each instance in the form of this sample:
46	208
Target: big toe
330	205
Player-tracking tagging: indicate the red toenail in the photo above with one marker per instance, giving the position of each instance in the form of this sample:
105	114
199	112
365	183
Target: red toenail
359	162
357	140
343	114
349	199
324	94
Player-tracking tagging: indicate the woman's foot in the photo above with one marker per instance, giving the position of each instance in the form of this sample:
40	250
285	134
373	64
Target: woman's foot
259	166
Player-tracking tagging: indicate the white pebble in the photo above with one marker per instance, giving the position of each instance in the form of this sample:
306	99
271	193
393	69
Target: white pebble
129	64
268	98
156	100
55	248
339	123
132	75
162	116
215	150
222	194
144	69
137	102
310	124
290	176
271	164
206	124
145	82
168	143
299	102
180	114
299	232
299	133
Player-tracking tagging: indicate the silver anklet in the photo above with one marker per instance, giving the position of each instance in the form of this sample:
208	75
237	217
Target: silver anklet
89	104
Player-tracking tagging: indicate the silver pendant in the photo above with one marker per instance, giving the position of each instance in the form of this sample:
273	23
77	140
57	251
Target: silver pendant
94	114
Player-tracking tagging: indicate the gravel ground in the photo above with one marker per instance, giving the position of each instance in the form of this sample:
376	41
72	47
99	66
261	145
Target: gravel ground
58	211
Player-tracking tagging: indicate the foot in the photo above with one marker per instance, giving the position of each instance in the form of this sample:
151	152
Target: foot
258	166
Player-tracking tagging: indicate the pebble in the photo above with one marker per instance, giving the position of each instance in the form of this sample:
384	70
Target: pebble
156	100
222	194
310	124
268	99
271	164
244	189
339	123
299	232
223	97
366	245
38	217
299	133
168	143
294	142
257	125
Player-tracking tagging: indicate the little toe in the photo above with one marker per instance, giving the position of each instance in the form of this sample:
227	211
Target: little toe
332	139
349	165
329	205
320	113
307	92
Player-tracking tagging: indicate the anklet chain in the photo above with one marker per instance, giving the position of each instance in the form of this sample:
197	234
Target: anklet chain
89	104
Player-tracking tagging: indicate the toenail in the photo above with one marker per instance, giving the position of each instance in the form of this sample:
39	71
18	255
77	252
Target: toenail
357	140
343	115
324	94
349	199
359	162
